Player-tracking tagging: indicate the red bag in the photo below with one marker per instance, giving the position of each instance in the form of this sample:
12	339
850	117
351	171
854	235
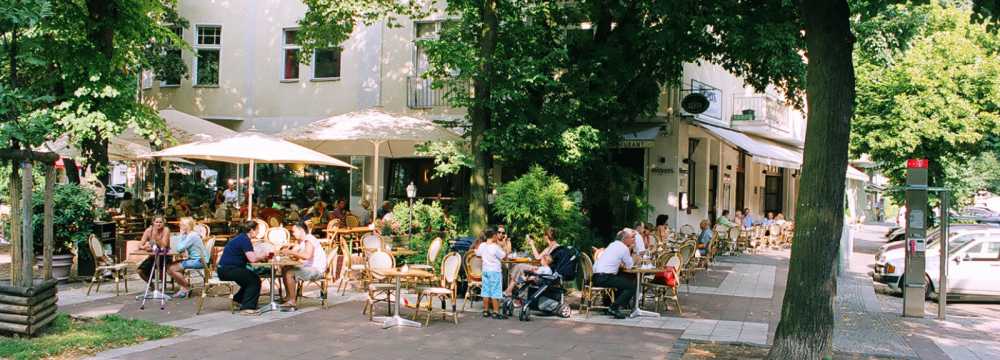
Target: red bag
666	277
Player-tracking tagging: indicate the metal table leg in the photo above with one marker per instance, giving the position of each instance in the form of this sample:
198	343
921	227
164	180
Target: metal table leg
274	304
638	297
395	319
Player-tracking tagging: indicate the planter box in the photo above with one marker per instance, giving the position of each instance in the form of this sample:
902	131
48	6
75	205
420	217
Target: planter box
27	310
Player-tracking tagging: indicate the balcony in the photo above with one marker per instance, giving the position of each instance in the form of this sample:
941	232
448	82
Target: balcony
421	94
765	116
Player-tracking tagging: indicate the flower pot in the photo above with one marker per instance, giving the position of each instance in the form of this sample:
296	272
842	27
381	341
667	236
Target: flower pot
60	265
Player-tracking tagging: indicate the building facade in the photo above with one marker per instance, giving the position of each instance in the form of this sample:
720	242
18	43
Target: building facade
744	152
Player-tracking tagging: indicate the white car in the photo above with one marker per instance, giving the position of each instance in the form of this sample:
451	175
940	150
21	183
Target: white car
974	257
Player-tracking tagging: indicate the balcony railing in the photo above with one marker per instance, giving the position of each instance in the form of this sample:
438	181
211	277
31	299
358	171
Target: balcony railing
421	94
760	110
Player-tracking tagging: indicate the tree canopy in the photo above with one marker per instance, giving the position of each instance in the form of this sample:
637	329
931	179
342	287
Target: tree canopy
932	93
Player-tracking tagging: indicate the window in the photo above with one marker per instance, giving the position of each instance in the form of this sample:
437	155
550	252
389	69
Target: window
207	50
326	63
426	30
175	55
290	55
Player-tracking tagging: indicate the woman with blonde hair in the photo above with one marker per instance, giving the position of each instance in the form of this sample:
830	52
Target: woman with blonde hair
190	242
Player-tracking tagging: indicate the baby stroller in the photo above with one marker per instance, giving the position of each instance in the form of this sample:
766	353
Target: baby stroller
545	293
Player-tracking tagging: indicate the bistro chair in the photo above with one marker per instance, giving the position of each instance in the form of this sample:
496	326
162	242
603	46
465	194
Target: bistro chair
473	275
274	221
352	221
261	228
331	274
686	269
203	229
372	242
190	273
119	271
213	282
378	290
447	291
432	253
663	292
350	268
687	230
592	294
277	236
598	252
774	236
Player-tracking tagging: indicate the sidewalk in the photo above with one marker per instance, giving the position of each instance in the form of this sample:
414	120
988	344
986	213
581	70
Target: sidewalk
869	321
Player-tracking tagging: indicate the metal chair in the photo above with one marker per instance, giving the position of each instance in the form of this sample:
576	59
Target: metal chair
210	273
447	291
331	274
663	292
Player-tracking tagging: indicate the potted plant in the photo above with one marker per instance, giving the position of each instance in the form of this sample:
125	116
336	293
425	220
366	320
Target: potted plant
73	216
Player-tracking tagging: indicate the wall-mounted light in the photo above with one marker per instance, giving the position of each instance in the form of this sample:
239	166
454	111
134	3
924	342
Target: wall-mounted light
684	161
729	167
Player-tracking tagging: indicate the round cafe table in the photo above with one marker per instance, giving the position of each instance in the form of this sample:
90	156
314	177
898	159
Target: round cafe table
395	319
157	281
276	261
639	272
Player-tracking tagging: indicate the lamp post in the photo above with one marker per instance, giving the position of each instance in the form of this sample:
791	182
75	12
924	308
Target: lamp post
411	193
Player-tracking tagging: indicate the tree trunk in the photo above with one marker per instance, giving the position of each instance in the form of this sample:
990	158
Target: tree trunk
27	252
14	188
806	327
48	237
480	115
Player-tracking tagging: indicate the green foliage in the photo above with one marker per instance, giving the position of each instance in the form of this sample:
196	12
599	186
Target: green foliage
449	156
71	338
429	222
98	48
74	214
536	201
937	98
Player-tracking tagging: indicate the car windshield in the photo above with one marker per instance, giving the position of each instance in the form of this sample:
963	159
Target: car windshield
957	242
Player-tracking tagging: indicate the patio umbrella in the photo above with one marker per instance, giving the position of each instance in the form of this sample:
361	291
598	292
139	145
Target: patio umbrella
250	147
364	132
183	127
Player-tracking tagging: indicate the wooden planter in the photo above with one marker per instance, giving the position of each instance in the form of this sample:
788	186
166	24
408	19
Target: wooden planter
27	310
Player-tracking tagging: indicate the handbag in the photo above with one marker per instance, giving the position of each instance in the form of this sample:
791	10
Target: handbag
666	277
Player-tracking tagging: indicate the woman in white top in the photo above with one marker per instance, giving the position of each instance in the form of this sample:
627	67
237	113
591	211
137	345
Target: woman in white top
517	271
310	253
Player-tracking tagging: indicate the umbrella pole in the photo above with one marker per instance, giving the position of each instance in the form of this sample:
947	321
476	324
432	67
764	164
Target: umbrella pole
376	204
166	186
250	192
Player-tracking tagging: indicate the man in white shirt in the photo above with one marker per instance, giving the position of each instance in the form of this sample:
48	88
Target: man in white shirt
231	196
606	274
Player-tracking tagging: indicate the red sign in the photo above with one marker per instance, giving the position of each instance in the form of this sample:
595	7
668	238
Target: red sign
916	164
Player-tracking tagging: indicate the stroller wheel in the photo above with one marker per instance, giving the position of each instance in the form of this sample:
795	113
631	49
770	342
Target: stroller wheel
565	311
525	314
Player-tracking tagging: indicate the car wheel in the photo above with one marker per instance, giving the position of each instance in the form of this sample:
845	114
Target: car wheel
929	288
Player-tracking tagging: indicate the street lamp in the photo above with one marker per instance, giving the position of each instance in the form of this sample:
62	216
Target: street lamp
411	193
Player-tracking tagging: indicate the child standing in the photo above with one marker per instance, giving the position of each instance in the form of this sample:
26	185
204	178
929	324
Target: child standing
492	254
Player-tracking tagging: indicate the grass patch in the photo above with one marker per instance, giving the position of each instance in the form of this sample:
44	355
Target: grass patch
67	337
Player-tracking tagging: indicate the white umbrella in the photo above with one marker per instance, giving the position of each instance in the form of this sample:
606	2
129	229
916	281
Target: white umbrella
183	127
364	132
250	147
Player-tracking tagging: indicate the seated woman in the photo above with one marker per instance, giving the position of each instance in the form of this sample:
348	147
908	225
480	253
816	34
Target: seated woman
237	254
191	243
156	234
517	271
310	252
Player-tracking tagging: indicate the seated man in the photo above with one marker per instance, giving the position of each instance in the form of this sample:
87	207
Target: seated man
705	237
606	274
237	254
724	220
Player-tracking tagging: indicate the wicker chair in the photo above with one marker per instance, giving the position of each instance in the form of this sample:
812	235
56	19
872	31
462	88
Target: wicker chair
277	236
447	291
352	221
350	268
331	275
590	293
261	228
473	275
432	253
119	271
662	292
210	273
378	290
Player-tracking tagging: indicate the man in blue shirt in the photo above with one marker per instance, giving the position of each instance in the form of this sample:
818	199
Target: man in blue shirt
747	219
237	254
705	237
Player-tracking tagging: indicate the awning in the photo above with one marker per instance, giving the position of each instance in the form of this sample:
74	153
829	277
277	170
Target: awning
854	174
643	137
761	151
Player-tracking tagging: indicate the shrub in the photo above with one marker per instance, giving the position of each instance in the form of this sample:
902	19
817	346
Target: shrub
72	219
536	201
429	222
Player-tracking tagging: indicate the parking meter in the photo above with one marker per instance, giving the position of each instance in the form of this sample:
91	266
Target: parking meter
916	237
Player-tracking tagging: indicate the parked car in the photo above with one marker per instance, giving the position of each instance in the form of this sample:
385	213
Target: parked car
974	257
114	192
979	215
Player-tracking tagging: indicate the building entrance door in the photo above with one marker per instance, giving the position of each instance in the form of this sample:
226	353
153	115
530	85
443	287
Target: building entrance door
773	197
713	193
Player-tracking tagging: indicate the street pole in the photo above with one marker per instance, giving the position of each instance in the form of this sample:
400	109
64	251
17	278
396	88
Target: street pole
943	259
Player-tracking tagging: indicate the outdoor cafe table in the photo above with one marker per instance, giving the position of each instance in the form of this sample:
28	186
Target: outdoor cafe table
276	261
395	319
639	272
157	277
